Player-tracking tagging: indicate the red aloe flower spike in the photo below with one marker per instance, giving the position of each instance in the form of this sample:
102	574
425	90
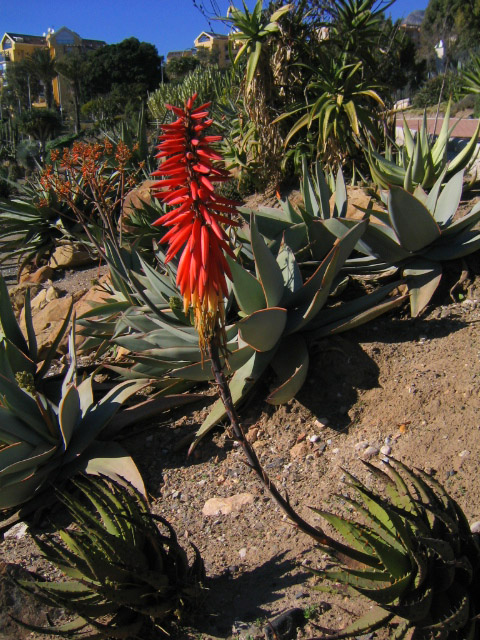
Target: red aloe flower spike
188	169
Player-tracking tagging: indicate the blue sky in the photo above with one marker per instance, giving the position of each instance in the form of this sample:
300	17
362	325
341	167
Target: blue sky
168	24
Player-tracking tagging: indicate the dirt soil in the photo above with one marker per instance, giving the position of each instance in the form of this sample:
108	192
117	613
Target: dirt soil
409	386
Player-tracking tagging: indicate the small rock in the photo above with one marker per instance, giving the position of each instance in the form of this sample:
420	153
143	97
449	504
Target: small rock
225	506
242	553
386	450
363	444
299	450
321	423
18	531
284	626
314	438
252	435
336	450
475	527
464	453
370	452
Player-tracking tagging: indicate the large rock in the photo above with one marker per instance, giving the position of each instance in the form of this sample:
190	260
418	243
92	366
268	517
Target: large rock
356	197
135	198
36	277
17	295
49	317
67	255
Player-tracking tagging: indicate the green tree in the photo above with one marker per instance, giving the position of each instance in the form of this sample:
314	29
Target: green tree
456	22
72	67
177	68
21	88
41	124
131	64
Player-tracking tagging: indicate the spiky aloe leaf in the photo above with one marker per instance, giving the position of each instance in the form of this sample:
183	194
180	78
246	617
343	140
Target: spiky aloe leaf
291	366
402	207
268	271
262	330
423	278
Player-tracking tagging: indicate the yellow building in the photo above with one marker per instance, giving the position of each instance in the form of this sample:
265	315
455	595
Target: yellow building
18	46
216	44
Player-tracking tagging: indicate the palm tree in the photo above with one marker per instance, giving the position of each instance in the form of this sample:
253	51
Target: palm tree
42	66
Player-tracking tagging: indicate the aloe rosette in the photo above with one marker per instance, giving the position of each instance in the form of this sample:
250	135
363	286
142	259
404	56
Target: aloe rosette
418	233
412	554
420	160
280	312
48	432
126	573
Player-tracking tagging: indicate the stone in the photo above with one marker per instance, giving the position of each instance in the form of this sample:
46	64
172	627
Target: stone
299	450
252	435
36	277
67	256
47	320
242	553
225	506
18	531
356	197
284	626
321	423
17	294
370	452
475	527
43	297
386	450
135	198
363	444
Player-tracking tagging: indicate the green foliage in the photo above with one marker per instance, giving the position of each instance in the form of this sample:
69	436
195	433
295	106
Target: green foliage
421	159
343	107
417	233
131	65
33	222
177	68
126	573
470	77
42	66
412	554
49	431
41	124
209	82
252	30
439	87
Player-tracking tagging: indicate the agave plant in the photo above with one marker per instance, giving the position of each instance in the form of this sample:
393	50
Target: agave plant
47	437
125	574
412	554
303	228
471	76
418	233
420	161
280	313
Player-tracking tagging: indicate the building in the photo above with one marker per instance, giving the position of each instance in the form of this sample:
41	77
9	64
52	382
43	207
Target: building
216	44
411	25
185	53
15	47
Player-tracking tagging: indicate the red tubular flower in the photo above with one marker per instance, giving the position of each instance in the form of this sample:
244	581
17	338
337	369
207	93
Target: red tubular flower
188	169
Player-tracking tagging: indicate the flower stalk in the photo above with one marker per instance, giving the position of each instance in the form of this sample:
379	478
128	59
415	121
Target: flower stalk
189	167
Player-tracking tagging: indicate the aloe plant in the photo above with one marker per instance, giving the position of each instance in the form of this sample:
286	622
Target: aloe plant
126	575
51	434
412	554
417	234
420	160
280	312
302	228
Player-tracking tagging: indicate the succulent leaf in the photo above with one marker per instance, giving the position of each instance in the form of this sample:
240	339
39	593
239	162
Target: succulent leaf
402	207
290	363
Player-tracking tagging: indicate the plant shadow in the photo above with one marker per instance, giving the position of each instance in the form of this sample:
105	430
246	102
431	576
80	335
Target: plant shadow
245	596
